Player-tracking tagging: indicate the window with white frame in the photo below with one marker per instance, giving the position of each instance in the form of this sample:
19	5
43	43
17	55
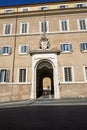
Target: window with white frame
25	9
24	49
44	26
67	74
22	75
64	25
85	71
43	8
7	29
4	75
9	10
66	47
79	5
62	6
82	24
5	50
83	46
24	28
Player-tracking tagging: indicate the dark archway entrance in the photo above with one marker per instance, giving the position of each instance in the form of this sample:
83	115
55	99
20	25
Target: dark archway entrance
44	69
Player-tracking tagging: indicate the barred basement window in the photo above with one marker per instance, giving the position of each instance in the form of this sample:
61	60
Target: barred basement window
68	74
4	75
7	28
22	75
79	5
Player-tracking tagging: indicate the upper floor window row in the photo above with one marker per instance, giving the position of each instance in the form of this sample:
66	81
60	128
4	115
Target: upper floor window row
64	26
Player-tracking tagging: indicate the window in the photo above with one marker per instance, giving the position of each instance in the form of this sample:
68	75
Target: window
82	24
62	6
7	29
44	26
9	10
66	47
67	74
43	8
23	49
4	75
22	75
79	5
64	25
24	28
85	70
83	46
5	50
25	9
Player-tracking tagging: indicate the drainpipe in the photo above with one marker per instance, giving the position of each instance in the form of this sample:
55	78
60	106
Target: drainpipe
14	48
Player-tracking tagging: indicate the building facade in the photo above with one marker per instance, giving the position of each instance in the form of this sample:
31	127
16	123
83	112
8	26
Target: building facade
43	47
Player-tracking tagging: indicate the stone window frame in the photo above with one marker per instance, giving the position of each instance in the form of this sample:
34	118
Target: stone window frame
20	49
21	25
84	72
40	27
2	52
6	75
8	32
66	43
78	23
67	28
18	76
72	72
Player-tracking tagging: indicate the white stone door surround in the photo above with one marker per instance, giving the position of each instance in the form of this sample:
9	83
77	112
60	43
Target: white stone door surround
51	58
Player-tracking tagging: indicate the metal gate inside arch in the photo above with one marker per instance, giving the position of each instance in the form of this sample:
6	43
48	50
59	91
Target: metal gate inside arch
44	70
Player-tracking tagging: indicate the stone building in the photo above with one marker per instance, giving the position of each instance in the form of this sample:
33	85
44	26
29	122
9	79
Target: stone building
43	47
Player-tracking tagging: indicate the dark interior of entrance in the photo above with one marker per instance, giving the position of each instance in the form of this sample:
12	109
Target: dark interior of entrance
44	69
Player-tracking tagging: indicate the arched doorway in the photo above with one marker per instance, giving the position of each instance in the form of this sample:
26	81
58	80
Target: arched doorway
44	70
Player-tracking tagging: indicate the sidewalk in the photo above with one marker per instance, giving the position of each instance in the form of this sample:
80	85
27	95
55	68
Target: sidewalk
45	102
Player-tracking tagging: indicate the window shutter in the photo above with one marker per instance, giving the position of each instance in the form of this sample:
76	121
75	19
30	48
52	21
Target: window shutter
7	75
61	47
81	46
9	50
70	47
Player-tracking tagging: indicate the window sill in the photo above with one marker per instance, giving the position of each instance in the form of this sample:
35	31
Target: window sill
66	52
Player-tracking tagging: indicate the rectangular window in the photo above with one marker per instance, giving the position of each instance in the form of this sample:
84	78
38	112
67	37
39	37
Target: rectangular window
24	49
82	24
62	6
80	5
7	29
9	10
83	46
5	50
43	8
4	75
67	74
22	75
86	73
66	47
44	26
25	9
24	28
64	25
